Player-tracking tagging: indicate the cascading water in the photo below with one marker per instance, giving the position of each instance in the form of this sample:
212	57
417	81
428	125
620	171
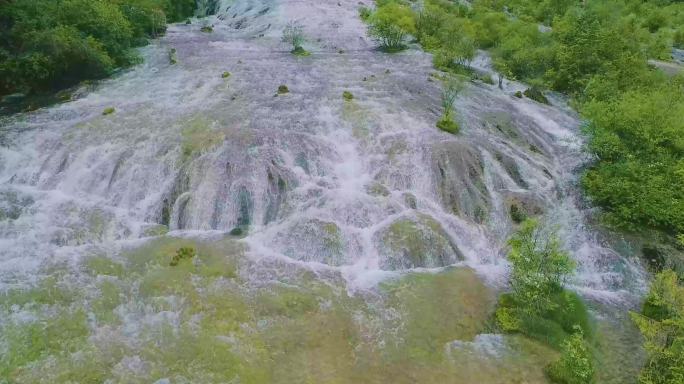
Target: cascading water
363	189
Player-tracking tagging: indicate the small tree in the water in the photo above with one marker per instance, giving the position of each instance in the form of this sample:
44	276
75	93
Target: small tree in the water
293	34
540	267
452	88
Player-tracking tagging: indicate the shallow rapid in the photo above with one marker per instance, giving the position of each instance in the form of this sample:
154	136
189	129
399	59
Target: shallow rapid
352	193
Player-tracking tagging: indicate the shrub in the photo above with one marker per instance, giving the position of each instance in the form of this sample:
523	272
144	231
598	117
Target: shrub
365	13
390	24
447	124
225	75
536	94
207	29
183	253
539	267
48	45
576	365
293	34
348	96
282	89
662	325
173	57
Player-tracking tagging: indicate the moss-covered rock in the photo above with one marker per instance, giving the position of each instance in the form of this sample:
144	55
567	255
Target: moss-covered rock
412	242
108	111
536	94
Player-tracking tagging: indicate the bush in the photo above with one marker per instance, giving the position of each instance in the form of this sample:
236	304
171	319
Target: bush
282	89
348	96
390	24
183	253
447	124
662	325
293	34
576	365
539	267
48	45
536	94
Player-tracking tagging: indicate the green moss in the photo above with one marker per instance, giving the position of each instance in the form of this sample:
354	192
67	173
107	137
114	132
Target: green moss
207	29
518	215
299	51
49	291
102	265
109	297
348	96
283	89
182	253
377	189
27	342
448	125
199	136
420	242
439	308
108	111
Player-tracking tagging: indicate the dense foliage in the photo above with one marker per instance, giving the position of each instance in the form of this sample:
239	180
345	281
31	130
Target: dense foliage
46	45
597	52
540	308
662	325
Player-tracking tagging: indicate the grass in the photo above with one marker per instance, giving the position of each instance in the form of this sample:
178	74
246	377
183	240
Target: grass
299	51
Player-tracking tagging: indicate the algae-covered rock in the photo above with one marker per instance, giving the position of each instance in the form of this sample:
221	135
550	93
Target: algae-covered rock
412	242
313	240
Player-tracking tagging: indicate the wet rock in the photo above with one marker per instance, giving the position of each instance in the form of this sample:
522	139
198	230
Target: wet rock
458	175
413	242
313	240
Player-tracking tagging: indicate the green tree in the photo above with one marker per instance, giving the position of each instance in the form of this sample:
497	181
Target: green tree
576	364
539	267
390	24
662	325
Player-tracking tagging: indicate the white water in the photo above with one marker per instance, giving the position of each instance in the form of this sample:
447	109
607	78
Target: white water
296	165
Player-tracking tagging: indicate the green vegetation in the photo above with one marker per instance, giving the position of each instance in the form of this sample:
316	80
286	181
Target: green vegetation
452	87
541	309
594	51
390	24
661	323
173	57
293	34
108	111
347	96
48	45
283	89
225	75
